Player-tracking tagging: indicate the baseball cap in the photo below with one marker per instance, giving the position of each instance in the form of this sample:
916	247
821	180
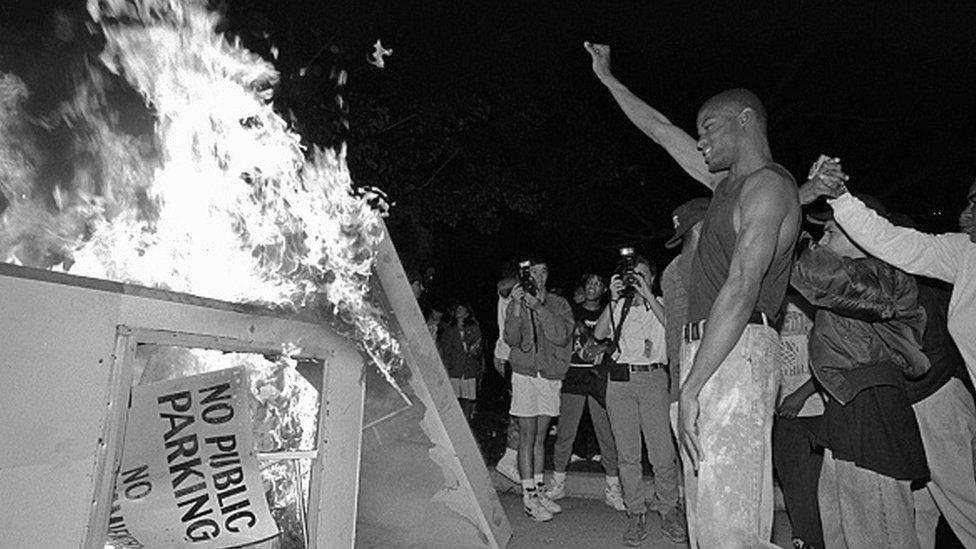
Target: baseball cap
684	217
821	218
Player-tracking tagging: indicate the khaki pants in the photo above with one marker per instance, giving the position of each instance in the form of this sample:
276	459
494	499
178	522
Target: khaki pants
861	508
947	422
730	501
640	406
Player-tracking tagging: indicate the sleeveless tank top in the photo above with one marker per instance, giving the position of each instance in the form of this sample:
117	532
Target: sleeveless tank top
713	258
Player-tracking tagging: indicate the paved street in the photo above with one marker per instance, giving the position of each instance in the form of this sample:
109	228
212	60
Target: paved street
587	524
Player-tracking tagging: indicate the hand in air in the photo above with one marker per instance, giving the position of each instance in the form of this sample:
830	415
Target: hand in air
601	58
826	178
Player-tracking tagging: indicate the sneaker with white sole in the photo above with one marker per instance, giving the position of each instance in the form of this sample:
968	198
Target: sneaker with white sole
508	470
534	508
547	502
614	497
556	491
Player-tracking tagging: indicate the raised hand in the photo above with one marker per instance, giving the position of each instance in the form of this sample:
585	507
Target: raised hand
601	58
826	178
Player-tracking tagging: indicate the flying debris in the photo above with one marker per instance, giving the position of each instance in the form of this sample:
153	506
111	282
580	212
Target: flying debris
379	52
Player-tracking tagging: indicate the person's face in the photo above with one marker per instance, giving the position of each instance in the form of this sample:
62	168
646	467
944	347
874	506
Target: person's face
594	288
718	128
835	239
644	270
460	312
540	274
967	219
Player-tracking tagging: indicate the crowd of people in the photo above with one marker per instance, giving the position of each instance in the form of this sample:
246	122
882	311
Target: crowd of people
843	362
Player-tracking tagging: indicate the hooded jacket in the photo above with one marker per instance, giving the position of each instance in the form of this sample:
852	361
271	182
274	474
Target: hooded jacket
868	327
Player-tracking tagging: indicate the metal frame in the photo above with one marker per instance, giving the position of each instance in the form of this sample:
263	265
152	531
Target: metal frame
335	461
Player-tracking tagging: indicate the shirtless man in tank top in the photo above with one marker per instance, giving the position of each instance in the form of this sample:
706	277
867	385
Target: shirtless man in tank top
737	285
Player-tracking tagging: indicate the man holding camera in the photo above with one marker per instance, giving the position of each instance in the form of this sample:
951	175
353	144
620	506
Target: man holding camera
739	276
637	396
539	329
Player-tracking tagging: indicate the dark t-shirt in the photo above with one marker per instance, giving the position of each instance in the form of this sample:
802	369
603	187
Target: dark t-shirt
713	257
580	380
937	344
877	430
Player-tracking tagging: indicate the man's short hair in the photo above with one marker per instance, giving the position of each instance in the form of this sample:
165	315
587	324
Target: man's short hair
739	99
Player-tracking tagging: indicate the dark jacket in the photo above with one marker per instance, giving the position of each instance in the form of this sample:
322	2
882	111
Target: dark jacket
461	350
868	327
542	342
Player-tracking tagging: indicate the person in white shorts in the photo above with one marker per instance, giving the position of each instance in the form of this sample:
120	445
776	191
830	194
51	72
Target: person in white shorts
539	329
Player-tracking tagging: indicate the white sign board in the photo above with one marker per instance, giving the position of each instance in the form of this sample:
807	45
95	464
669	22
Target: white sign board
189	475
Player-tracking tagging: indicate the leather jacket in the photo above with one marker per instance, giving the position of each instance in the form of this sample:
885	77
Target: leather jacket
868	327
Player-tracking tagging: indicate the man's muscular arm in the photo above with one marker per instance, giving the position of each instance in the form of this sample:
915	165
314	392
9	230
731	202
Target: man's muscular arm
681	146
763	206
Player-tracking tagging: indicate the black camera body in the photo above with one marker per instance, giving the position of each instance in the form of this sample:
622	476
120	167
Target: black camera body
627	269
525	278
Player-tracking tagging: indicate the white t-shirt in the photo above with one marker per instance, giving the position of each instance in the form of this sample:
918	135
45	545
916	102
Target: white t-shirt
501	348
642	337
795	359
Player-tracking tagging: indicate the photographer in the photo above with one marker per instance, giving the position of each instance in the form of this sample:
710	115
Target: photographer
637	396
539	329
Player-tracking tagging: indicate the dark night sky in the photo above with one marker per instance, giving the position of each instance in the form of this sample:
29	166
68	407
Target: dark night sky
887	86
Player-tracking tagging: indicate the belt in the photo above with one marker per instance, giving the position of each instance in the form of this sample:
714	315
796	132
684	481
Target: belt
694	331
644	367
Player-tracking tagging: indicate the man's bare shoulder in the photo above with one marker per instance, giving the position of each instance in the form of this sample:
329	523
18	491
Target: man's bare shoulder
771	185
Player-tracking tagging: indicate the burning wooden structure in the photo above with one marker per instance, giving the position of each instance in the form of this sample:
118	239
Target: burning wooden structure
383	472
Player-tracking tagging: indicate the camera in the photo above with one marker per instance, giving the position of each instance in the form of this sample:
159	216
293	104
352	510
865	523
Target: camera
525	277
627	269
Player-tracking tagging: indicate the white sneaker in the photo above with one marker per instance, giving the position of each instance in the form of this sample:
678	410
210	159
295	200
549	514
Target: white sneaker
596	458
614	497
547	502
556	491
508	470
534	509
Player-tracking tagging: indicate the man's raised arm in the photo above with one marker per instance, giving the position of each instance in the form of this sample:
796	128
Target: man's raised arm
681	146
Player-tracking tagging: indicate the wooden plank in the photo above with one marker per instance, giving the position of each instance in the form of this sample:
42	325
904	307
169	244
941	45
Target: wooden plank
430	382
17	271
334	488
108	456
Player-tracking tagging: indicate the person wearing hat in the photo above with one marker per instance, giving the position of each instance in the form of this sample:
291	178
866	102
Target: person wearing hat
865	341
687	219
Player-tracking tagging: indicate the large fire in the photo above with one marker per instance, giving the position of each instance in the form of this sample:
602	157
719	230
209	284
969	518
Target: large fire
227	203
229	207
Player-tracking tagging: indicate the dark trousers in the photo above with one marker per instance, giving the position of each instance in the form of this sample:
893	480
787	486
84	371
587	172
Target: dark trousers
797	463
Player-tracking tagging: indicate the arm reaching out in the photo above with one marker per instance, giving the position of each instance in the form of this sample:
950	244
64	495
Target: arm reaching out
681	146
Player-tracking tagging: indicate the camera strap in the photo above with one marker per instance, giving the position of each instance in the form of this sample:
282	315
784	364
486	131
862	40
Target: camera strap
628	301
